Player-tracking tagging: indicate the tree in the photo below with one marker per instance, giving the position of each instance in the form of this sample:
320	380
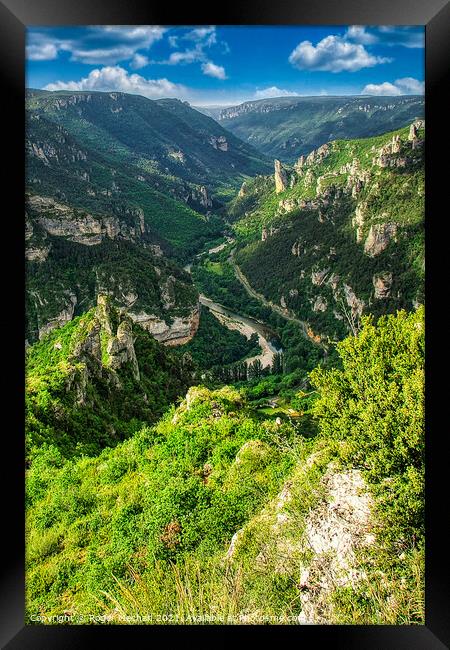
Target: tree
278	363
374	408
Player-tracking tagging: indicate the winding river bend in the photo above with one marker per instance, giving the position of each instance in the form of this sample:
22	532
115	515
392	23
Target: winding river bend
246	326
243	324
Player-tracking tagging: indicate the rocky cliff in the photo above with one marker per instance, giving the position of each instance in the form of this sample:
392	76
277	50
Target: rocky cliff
98	371
346	238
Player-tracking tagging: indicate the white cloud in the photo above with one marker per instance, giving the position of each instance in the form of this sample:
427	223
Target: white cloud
188	56
107	55
200	38
139	61
404	86
97	45
273	91
410	85
42	52
212	70
206	35
117	79
403	36
333	54
386	88
387	35
359	34
146	35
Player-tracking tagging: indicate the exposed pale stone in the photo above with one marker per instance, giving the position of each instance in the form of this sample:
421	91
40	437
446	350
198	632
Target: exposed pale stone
356	304
317	277
320	304
379	237
280	177
382	283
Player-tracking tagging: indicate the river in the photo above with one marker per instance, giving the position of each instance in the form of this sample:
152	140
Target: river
243	324
246	326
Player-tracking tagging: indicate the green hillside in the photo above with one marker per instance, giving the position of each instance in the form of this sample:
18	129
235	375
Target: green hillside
192	516
344	236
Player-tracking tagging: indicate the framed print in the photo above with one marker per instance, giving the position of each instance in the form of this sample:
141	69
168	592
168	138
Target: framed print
221	411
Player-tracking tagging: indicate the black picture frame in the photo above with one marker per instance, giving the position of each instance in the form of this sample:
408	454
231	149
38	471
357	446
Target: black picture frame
15	16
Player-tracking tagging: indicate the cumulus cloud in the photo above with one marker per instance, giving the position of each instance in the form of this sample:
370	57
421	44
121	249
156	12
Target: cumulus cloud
333	54
404	86
273	91
42	52
212	70
115	78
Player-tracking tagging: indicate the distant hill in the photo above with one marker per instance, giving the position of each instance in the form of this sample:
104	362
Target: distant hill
287	127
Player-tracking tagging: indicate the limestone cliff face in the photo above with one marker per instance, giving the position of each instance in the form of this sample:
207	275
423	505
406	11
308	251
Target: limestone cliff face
178	331
121	349
379	237
281	179
106	348
81	227
382	283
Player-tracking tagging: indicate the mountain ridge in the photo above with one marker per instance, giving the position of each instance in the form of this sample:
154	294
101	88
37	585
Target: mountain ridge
287	127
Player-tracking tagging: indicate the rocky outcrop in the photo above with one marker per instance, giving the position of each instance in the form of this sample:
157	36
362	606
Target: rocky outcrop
178	156
106	347
287	205
36	248
334	530
177	332
413	135
281	178
297	248
120	349
320	304
168	293
268	232
299	165
318	155
317	277
382	283
81	227
205	199
379	238
356	304
387	155
37	253
358	220
219	142
243	191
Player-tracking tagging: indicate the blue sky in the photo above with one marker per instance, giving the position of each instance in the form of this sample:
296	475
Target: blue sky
217	65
